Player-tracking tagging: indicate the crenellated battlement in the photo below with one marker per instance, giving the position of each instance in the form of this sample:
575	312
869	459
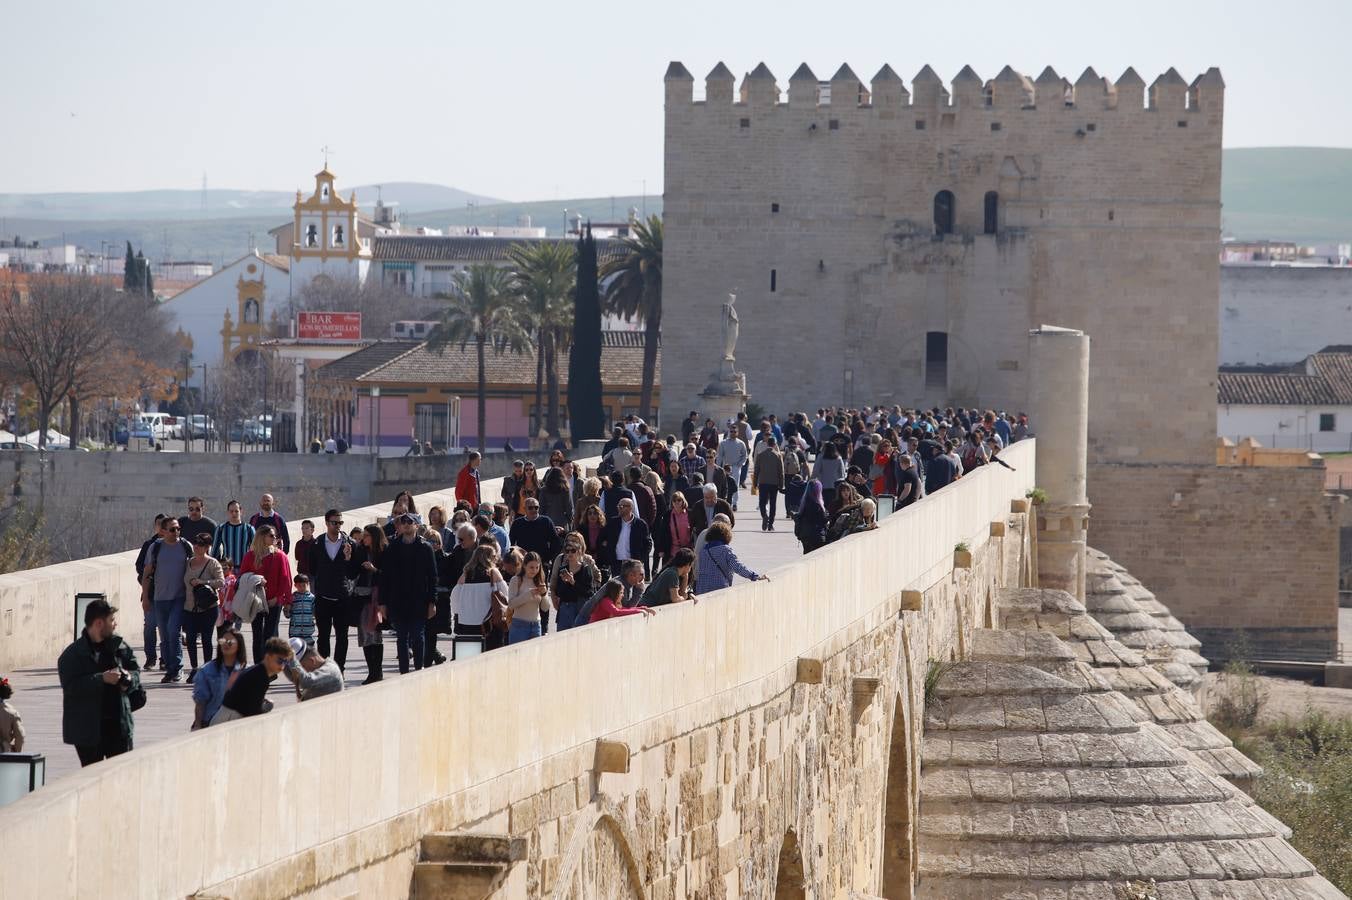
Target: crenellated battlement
1008	90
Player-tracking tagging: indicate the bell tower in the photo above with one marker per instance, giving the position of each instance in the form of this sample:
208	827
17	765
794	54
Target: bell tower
325	239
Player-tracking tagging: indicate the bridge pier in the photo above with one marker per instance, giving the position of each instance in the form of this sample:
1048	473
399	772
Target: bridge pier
1058	392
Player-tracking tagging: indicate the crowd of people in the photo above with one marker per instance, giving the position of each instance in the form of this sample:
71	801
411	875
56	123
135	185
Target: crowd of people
651	526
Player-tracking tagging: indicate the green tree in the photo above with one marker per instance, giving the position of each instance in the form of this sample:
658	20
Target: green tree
545	278
634	290
483	308
130	284
586	415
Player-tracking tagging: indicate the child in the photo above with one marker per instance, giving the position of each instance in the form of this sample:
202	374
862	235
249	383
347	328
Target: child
301	612
302	548
11	725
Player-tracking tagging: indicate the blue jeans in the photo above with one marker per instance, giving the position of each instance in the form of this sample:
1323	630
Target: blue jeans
522	631
169	620
148	636
265	625
565	615
410	638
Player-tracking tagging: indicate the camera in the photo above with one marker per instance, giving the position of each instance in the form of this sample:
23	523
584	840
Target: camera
123	679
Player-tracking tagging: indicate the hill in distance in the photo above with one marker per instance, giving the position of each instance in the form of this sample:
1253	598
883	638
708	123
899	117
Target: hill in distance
1287	193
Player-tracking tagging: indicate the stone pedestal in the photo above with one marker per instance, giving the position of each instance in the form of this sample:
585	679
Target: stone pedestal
1058	402
722	406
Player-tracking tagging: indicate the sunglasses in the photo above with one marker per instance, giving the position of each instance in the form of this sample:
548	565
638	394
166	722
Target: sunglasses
335	521
175	528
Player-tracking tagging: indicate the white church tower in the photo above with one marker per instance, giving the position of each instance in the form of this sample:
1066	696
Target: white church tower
325	240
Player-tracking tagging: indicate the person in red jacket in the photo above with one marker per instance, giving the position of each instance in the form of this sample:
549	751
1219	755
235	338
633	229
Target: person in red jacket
610	608
266	559
467	482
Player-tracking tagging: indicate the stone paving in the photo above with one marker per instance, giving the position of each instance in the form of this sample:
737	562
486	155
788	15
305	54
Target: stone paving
168	711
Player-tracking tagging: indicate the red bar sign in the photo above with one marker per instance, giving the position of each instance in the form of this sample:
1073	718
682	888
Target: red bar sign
329	326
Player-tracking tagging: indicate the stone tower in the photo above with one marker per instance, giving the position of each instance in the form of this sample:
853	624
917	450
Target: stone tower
897	245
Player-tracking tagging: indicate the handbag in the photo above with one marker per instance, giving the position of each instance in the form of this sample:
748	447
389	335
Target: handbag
204	597
499	616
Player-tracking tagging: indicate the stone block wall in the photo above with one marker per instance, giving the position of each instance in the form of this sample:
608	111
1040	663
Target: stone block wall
1236	553
740	771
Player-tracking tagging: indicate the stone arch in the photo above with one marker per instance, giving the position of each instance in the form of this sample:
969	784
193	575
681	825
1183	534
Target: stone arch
900	798
599	861
790	877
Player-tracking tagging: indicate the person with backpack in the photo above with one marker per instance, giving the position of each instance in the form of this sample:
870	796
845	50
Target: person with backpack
163	592
974	452
148	629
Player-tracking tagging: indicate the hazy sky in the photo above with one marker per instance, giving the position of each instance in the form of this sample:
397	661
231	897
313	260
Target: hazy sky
538	100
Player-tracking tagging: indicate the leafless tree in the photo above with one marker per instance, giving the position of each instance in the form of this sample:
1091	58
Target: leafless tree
49	332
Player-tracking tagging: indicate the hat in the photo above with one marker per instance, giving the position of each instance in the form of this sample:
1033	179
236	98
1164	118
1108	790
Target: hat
297	647
410	518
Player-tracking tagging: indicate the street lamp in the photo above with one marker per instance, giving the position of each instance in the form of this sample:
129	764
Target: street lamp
375	422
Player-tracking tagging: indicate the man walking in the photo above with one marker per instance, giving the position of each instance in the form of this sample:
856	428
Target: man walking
268	515
732	451
163	593
627	537
467	482
197	522
408	591
331	568
100	684
148	628
769	480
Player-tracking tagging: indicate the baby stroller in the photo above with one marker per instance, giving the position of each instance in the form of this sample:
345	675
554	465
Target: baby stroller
793	494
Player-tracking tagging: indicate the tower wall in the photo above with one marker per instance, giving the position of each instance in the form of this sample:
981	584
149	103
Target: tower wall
1108	221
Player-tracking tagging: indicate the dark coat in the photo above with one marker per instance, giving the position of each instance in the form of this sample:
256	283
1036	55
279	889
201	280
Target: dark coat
408	578
640	543
82	689
328	576
699	522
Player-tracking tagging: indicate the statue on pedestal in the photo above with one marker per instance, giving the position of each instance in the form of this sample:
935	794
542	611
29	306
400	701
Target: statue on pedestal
727	380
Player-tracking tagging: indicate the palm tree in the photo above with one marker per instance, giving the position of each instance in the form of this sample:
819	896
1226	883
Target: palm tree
633	289
482	308
546	273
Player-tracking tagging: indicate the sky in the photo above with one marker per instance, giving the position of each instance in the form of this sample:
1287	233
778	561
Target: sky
543	100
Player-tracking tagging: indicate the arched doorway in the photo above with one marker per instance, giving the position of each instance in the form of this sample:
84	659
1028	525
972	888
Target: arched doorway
898	827
790	881
944	212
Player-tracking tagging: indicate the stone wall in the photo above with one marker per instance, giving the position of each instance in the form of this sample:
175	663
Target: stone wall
1108	217
774	716
1232	551
115	496
1282	314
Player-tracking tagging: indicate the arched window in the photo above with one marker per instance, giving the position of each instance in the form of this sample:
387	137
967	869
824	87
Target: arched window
251	311
337	235
943	212
312	235
992	212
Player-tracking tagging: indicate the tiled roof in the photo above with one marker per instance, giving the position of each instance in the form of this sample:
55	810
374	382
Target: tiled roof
1322	379
359	362
621	366
419	247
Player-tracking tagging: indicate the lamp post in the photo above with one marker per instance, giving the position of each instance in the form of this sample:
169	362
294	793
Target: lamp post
375	419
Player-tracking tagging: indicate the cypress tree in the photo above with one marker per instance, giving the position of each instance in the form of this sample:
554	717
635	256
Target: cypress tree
586	414
129	271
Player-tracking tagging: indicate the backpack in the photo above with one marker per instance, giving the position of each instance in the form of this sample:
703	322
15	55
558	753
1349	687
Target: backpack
971	458
183	545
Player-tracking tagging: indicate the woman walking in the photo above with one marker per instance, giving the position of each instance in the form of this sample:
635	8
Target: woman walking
810	526
529	488
591	496
267	559
829	469
555	501
204	579
527	597
674	531
364	600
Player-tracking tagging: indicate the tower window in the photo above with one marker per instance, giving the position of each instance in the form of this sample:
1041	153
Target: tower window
833	125
995	126
936	359
743	123
337	235
992	212
774	207
943	212
324	192
774	280
312	235
919	124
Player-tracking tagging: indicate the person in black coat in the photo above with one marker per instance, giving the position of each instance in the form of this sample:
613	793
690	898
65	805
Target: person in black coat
640	538
332	565
100	679
810	525
700	514
534	532
408	590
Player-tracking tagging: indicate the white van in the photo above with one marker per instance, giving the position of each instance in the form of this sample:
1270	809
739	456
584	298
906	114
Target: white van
162	425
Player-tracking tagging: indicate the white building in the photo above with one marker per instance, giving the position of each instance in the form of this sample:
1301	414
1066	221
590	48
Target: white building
1307	405
1281	314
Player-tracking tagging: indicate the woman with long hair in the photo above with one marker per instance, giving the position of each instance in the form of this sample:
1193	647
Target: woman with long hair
673	530
204	580
555	501
217	676
472	598
593	529
591	496
265	558
365	600
527	597
529	488
828	469
810	525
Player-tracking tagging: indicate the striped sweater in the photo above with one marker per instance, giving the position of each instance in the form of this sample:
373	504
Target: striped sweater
232	542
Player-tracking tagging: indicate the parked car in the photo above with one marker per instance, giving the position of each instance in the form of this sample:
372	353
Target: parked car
162	425
257	432
141	430
17	445
198	426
